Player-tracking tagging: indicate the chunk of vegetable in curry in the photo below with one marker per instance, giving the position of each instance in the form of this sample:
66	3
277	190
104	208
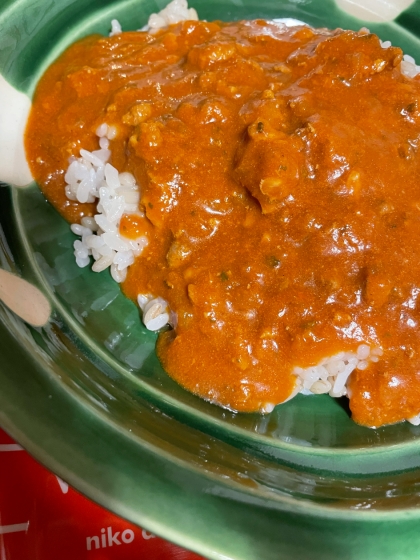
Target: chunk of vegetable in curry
280	176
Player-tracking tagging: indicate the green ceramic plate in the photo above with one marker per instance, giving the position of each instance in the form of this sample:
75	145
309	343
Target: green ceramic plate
87	397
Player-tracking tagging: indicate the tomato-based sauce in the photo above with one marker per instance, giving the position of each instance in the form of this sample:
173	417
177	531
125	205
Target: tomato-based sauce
279	173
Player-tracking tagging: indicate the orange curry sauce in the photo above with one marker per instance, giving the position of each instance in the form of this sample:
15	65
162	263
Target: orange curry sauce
279	173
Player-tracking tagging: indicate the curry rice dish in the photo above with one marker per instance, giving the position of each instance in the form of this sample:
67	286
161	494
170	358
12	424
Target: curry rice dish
256	188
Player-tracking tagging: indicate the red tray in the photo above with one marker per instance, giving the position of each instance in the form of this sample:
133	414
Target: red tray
42	518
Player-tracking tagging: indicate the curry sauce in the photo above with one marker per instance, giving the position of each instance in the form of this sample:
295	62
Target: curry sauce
279	172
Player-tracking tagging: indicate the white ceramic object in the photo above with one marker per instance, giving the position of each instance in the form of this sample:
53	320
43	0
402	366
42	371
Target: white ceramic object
14	111
374	10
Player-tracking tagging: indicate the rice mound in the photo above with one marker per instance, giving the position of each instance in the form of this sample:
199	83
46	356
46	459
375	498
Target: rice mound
91	178
331	374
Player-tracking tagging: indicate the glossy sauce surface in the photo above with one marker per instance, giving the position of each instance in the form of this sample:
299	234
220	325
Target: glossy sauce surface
279	174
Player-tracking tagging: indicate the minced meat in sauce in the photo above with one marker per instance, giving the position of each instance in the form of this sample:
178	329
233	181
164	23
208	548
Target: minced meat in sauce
279	172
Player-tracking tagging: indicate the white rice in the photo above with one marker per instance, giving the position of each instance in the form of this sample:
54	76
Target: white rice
91	178
116	28
175	11
408	65
156	312
332	374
